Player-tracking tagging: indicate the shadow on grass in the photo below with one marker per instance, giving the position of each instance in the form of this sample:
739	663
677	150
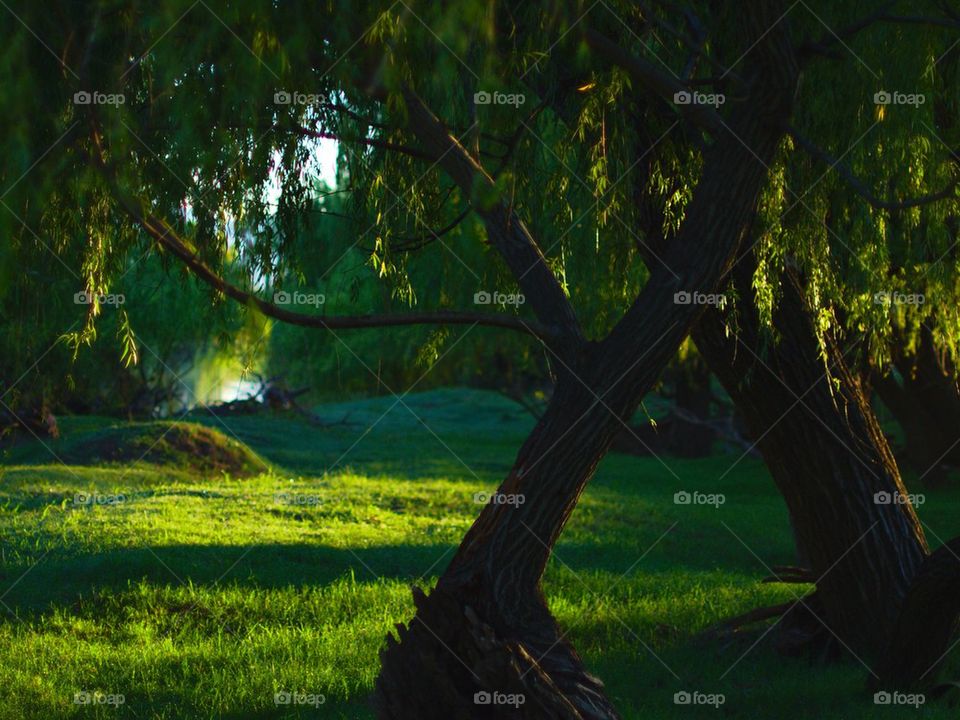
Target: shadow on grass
69	581
62	580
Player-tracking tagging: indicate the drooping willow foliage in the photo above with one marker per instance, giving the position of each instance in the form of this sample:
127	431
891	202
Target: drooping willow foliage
223	104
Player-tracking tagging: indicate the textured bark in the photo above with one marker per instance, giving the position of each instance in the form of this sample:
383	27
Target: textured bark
828	458
927	623
487	618
825	451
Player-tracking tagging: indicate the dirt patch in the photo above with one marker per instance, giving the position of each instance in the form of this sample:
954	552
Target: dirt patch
186	446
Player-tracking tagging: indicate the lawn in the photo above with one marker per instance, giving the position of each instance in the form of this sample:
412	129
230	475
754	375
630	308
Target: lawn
195	593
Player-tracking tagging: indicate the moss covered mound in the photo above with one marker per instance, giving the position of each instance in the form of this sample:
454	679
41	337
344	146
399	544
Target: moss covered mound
186	446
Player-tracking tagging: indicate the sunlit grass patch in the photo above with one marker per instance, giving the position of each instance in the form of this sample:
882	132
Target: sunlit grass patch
204	595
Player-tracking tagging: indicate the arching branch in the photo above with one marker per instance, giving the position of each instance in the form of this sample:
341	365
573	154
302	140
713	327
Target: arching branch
654	80
827	44
505	230
167	238
860	187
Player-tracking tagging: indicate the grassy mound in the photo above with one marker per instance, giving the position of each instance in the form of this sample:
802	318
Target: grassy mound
187	446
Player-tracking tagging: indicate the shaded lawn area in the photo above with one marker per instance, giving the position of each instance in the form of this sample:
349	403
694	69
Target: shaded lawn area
198	595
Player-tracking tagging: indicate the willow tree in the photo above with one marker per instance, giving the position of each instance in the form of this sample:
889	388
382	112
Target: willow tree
916	373
499	135
854	234
854	231
852	264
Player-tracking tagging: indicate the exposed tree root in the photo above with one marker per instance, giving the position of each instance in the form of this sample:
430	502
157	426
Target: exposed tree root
798	632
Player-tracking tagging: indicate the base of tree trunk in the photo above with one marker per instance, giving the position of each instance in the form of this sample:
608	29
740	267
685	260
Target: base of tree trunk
928	622
448	663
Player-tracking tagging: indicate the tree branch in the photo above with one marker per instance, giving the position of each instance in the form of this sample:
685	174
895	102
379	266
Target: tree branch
860	187
654	80
505	231
825	45
165	236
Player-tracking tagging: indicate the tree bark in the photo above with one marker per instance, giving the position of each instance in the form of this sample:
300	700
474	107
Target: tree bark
927	623
486	626
822	445
820	440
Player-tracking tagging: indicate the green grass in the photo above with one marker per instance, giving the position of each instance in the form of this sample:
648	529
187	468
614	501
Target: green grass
197	595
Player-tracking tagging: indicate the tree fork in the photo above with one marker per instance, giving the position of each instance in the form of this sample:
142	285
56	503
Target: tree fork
495	575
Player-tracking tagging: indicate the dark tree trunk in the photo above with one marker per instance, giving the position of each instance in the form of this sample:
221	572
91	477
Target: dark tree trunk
691	434
823	447
923	447
926	625
688	430
925	402
486	626
818	436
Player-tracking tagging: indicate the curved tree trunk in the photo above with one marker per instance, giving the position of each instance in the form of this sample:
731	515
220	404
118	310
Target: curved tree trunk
820	440
486	627
824	449
818	436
